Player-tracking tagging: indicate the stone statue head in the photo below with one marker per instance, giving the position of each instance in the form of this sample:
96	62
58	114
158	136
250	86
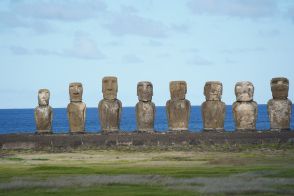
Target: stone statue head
109	87
178	90
145	91
244	91
280	88
76	91
43	97
213	90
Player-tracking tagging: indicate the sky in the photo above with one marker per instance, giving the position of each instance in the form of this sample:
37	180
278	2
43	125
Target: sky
48	44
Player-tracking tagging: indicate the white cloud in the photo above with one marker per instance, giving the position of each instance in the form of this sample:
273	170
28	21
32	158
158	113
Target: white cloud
131	58
130	24
235	8
242	50
199	61
290	13
83	47
18	50
39	15
10	20
71	10
269	33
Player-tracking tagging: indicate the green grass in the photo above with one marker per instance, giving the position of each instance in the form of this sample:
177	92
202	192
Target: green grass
182	172
266	163
118	190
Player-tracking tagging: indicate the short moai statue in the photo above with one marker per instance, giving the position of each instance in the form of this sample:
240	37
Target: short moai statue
213	109
245	109
110	107
178	107
76	109
43	113
145	108
279	108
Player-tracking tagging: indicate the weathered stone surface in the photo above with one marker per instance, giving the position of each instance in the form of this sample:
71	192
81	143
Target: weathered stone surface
178	108
244	91
245	109
279	108
201	140
245	115
145	108
213	90
280	88
43	113
76	109
110	107
213	109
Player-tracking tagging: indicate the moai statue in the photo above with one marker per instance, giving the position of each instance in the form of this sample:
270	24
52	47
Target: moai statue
245	109
145	108
178	108
43	113
279	108
110	107
76	109
213	109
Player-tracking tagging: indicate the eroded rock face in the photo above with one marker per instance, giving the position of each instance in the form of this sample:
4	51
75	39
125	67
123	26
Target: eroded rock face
245	109
213	109
279	108
43	113
76	109
145	108
178	107
110	107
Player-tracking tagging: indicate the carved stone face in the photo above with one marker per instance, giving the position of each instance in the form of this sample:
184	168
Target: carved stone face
145	91
178	90
213	90
76	92
109	88
244	91
43	97
280	88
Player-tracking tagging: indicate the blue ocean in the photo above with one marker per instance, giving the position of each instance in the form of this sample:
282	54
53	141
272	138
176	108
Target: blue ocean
22	120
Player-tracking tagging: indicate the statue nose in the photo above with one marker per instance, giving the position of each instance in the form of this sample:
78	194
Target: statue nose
76	89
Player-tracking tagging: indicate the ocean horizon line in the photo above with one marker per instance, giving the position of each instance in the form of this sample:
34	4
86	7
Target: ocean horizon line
97	107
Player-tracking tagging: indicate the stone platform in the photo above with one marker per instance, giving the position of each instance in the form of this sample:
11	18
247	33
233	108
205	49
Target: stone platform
96	140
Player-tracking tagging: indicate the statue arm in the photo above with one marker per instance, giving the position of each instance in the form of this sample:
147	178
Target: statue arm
290	106
256	110
51	117
119	112
154	111
36	119
84	112
234	111
189	110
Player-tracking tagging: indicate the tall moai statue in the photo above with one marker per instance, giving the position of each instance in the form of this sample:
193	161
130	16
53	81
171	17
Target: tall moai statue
145	108
279	108
178	107
43	113
213	109
76	109
110	107
245	109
